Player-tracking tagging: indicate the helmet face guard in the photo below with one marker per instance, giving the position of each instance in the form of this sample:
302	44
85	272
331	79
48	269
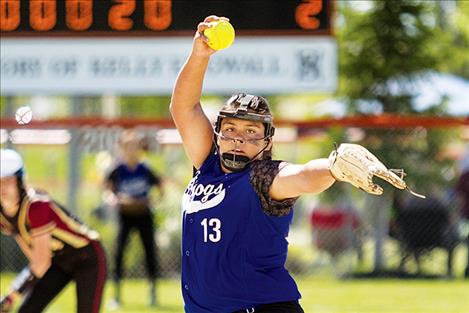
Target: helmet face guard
237	162
234	162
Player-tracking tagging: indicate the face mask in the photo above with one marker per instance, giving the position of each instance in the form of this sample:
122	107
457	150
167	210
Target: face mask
234	162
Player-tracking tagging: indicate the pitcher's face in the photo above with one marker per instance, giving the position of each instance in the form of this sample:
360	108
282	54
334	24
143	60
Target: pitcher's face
242	137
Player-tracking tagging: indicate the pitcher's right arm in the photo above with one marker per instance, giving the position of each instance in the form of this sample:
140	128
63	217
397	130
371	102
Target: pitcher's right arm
192	123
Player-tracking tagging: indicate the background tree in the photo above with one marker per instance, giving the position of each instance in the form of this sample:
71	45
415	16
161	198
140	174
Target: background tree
384	52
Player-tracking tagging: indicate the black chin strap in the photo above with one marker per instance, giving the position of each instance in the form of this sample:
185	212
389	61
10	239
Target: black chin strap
235	162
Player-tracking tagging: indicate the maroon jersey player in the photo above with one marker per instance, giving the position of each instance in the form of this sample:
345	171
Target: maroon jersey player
59	247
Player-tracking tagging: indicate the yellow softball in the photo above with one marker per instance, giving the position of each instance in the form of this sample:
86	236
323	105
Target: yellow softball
221	35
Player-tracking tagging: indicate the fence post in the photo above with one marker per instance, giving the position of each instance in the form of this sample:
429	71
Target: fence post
379	213
75	157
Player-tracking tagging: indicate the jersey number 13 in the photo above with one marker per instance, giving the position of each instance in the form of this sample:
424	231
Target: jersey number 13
212	229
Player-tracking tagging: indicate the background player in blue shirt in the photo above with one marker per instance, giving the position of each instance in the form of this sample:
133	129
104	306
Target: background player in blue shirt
128	187
238	207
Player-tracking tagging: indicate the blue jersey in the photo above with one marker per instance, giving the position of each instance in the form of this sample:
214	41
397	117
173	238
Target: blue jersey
135	182
233	253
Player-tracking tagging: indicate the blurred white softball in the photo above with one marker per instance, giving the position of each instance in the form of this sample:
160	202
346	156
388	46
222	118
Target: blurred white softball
24	115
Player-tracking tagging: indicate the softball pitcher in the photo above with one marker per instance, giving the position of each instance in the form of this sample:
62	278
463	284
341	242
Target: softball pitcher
237	208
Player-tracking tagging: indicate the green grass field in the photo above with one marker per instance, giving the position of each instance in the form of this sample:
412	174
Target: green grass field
320	295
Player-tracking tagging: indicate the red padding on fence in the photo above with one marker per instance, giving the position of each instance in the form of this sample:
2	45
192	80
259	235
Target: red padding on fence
368	121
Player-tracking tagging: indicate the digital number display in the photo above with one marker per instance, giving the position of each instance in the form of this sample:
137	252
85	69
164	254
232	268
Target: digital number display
160	17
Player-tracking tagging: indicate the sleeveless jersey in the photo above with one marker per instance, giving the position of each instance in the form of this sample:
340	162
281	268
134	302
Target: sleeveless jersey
38	214
233	253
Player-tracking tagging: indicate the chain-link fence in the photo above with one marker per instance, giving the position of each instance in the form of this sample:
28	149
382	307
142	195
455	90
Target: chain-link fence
342	231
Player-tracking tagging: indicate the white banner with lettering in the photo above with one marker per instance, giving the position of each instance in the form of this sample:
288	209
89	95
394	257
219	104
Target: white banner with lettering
150	65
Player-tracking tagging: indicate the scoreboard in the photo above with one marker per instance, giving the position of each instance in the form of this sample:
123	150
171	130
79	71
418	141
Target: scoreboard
36	18
138	46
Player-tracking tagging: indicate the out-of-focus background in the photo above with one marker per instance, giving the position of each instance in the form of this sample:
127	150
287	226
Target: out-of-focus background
390	75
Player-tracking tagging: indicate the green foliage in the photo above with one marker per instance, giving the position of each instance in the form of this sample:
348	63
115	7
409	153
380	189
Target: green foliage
392	41
455	49
145	107
386	49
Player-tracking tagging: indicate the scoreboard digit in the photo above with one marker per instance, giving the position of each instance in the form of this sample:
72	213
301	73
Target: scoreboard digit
161	17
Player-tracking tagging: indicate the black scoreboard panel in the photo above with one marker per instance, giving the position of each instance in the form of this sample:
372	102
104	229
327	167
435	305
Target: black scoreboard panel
161	17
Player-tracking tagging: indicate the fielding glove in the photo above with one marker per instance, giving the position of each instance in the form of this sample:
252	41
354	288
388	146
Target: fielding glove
356	165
